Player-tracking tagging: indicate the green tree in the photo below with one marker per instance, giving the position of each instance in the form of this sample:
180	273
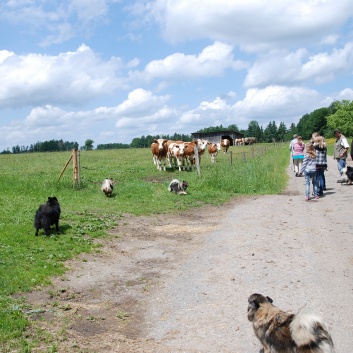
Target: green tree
281	132
342	118
89	145
233	127
270	132
254	130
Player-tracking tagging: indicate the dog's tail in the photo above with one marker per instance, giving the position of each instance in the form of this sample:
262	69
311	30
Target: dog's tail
309	331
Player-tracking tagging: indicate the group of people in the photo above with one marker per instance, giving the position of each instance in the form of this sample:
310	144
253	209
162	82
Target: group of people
311	160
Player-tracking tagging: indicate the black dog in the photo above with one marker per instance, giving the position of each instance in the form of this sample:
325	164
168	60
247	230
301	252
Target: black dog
178	187
47	215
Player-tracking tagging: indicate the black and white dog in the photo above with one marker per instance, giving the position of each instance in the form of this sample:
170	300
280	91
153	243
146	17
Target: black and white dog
347	175
47	215
178	187
107	186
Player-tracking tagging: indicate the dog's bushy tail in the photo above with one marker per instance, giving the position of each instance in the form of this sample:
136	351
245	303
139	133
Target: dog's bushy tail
309	331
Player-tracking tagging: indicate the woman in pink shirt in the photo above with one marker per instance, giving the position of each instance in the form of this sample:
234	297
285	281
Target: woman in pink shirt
298	155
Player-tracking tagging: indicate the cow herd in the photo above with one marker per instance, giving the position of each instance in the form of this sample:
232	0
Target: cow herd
245	141
182	154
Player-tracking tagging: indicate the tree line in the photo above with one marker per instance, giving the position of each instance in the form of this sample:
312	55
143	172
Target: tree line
46	146
339	115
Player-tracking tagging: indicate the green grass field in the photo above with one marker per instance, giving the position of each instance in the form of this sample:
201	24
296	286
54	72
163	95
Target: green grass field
26	180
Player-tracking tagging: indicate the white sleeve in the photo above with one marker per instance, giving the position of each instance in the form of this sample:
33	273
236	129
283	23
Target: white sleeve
345	143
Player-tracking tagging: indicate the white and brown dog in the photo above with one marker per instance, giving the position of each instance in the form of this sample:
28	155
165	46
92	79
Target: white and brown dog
107	186
282	332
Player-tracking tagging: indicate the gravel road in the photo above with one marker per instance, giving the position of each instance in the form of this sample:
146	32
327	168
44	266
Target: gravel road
298	253
180	283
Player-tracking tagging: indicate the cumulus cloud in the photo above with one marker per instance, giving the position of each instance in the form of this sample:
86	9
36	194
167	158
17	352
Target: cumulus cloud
278	103
287	68
71	78
212	61
272	103
252	24
144	112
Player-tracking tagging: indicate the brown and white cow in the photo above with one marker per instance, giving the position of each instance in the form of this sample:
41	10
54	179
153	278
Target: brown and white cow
225	143
249	140
213	149
189	153
239	141
176	152
159	153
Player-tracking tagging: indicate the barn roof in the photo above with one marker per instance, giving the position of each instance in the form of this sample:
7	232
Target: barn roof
218	133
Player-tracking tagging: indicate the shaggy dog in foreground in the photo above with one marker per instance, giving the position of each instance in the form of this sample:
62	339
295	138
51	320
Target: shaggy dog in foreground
47	215
178	187
347	175
282	332
107	187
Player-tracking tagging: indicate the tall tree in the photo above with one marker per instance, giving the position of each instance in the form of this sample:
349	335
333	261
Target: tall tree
281	132
89	145
270	132
342	118
254	130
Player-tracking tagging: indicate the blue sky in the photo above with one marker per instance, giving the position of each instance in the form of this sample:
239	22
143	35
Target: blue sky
112	70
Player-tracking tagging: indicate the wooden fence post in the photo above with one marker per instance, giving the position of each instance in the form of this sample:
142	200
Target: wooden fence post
75	165
197	160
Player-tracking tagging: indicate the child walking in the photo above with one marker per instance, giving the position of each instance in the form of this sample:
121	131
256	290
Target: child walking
309	170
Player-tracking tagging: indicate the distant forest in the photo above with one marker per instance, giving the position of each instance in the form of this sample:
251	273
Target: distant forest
339	115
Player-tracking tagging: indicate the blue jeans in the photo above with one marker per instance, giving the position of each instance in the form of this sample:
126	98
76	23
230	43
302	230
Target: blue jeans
320	180
310	176
341	163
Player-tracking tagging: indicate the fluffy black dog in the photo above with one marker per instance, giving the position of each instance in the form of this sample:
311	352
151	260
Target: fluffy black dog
178	187
47	215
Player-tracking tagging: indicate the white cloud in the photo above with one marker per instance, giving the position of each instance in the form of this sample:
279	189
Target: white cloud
253	24
71	78
283	68
212	61
276	103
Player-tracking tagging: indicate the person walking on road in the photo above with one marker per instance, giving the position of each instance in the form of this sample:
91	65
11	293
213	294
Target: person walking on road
298	155
295	139
309	170
321	162
341	148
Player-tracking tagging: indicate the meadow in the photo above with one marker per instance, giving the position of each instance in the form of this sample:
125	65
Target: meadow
26	180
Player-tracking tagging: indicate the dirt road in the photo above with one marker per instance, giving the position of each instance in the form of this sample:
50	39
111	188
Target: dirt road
180	283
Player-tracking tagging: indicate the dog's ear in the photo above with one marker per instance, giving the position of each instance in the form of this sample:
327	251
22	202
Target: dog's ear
256	299
269	299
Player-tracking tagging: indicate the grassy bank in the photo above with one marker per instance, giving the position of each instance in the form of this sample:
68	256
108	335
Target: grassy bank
26	180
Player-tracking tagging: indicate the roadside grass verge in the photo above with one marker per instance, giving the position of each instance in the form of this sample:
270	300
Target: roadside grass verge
26	180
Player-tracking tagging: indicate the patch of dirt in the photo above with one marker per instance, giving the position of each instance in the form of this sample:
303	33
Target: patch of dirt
98	305
179	283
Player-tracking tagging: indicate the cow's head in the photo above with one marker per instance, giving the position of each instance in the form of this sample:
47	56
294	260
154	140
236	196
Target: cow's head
161	143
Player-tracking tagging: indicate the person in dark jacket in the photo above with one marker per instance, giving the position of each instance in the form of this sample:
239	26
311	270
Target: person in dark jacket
321	162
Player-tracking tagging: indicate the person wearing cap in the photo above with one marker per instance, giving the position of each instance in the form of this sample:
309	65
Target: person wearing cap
340	150
295	139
